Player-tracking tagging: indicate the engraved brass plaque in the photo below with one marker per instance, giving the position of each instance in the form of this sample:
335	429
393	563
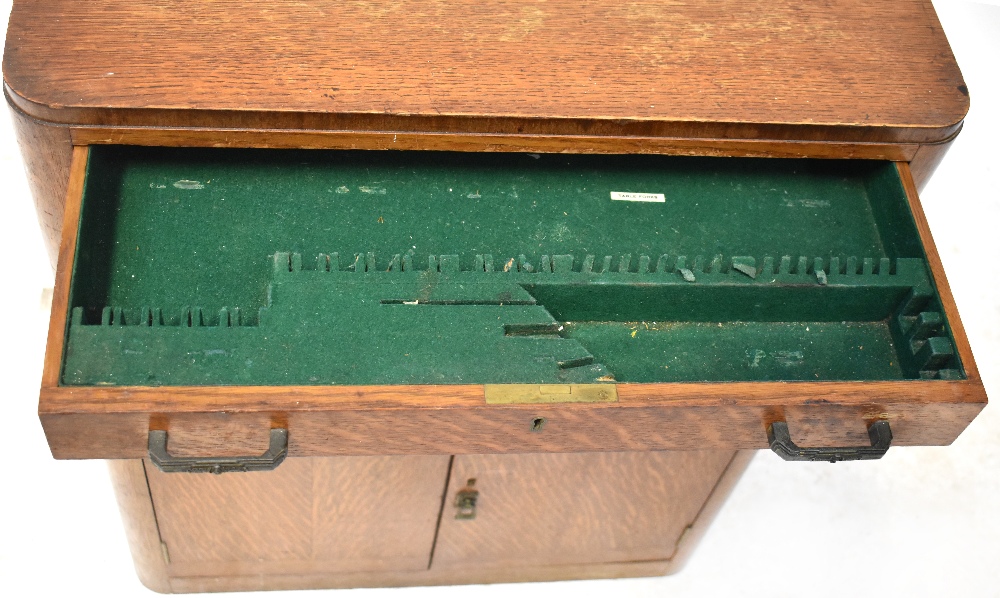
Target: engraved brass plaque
510	394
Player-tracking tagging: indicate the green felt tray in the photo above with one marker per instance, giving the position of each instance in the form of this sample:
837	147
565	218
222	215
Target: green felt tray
277	267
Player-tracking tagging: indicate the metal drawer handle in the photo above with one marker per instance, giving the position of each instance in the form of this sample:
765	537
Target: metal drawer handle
275	454
781	443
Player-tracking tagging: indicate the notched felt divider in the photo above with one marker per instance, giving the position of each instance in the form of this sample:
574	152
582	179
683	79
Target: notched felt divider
590	264
919	330
286	267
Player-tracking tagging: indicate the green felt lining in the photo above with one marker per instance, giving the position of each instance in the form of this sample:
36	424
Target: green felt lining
199	266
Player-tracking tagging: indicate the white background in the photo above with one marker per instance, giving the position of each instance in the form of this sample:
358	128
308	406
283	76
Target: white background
920	522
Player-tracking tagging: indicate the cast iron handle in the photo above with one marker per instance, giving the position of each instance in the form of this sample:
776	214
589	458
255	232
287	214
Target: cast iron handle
781	443
275	454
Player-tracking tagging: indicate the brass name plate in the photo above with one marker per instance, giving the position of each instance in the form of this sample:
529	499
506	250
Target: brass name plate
509	394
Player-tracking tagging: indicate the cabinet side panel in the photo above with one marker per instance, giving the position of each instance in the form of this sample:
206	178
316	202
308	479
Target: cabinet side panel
694	532
551	509
926	160
128	478
47	152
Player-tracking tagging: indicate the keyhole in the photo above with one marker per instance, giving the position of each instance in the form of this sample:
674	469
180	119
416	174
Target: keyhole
537	424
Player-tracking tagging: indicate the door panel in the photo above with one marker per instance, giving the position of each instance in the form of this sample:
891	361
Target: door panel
573	508
308	515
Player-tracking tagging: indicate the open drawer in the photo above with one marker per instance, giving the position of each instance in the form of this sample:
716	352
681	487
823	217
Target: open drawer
437	303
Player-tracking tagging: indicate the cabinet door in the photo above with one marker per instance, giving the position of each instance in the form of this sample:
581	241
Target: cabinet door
310	515
561	509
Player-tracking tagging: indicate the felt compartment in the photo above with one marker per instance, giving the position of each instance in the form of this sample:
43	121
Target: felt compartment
278	267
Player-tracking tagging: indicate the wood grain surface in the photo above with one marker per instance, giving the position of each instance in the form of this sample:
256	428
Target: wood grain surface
54	343
574	508
128	479
89	423
47	153
309	516
370	521
694	532
760	69
926	159
381	579
491	142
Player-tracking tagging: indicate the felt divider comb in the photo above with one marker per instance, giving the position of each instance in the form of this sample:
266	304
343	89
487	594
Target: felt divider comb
769	269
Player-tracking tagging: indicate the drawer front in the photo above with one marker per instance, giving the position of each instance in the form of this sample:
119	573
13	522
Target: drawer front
430	303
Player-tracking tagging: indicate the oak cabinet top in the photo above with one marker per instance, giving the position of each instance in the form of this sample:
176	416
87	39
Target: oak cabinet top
848	70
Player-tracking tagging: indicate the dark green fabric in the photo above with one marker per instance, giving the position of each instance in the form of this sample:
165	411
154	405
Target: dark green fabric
289	267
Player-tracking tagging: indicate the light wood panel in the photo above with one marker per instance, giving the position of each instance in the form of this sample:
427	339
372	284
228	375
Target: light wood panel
309	516
222	533
848	70
491	142
479	575
558	509
47	153
128	479
64	268
693	534
926	159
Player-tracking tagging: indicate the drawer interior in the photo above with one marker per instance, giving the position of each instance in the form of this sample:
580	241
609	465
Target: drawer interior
278	267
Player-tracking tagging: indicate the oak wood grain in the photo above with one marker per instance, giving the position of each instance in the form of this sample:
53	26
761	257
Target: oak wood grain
926	159
309	516
846	70
356	522
574	508
64	268
47	153
491	142
325	421
696	530
128	479
479	575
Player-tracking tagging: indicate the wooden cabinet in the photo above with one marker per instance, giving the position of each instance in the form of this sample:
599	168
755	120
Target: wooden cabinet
614	458
370	521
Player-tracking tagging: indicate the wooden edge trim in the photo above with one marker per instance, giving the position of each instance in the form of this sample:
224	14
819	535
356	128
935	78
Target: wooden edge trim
152	117
301	399
720	493
479	574
487	142
131	487
64	270
940	280
488	430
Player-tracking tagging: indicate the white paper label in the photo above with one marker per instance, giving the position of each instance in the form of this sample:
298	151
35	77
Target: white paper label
647	197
